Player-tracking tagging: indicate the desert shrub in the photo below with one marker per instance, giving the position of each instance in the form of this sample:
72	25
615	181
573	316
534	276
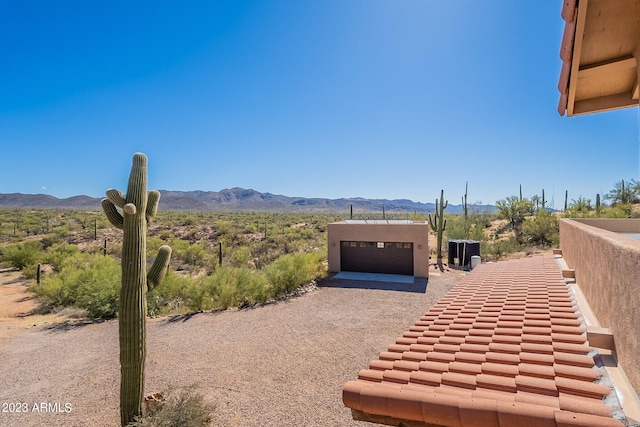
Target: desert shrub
291	271
153	244
497	249
514	210
235	286
195	255
541	230
50	240
186	409
240	256
189	221
460	228
86	281
58	253
620	210
21	255
172	295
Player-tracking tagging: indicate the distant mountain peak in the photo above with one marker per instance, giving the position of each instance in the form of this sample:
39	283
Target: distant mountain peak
235	199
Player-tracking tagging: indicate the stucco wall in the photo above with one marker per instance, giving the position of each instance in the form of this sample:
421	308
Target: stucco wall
416	233
607	268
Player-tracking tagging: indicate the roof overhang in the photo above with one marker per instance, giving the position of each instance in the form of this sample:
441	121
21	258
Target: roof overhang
600	52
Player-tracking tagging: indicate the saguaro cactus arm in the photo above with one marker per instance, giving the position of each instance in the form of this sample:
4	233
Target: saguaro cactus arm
159	268
116	197
112	213
152	204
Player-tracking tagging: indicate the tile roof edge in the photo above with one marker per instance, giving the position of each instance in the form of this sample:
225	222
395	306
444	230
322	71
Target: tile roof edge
375	400
628	400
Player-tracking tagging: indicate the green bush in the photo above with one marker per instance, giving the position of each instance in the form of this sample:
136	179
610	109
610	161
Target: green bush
291	271
172	296
497	249
236	286
541	230
24	254
86	281
57	254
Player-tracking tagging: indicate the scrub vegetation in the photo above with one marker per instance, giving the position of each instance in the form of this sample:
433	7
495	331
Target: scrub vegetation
219	260
223	260
522	226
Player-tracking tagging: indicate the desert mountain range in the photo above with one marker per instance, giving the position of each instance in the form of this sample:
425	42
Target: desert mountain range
237	200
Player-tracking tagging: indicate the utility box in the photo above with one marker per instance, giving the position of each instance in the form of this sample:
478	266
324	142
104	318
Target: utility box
462	251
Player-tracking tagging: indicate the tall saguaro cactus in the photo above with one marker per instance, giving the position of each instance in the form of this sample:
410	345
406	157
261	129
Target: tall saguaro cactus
137	209
439	223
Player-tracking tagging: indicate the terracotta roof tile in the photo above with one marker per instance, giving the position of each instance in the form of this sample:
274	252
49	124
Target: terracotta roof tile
531	347
573	404
414	356
562	347
496	382
381	365
537	399
542	339
448	339
525	415
573	419
581	388
465	368
371	375
574	359
537	385
403	365
504	358
479	412
434	366
537	358
506	347
540	371
470	357
429	378
576	372
500	369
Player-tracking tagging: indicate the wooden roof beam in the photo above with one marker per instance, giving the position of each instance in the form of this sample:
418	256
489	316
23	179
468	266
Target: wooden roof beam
605	103
612	66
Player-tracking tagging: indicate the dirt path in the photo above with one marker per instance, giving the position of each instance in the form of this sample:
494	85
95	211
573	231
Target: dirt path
282	364
18	308
15	305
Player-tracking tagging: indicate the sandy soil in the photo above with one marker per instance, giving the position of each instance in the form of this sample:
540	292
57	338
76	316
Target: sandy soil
282	364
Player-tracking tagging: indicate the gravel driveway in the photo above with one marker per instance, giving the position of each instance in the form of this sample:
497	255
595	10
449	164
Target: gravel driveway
282	364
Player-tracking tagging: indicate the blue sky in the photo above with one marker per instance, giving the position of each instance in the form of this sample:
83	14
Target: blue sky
314	98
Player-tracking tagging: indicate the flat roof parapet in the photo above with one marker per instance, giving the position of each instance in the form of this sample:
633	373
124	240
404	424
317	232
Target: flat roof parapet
378	221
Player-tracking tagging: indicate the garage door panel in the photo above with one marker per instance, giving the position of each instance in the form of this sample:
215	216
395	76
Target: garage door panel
377	257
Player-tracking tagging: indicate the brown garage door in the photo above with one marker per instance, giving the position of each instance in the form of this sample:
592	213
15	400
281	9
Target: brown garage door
377	257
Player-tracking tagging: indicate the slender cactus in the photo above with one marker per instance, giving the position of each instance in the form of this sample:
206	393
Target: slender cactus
598	204
438	223
464	201
520	191
138	208
566	199
543	200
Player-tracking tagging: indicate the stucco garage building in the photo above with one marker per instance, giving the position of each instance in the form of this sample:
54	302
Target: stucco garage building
379	246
